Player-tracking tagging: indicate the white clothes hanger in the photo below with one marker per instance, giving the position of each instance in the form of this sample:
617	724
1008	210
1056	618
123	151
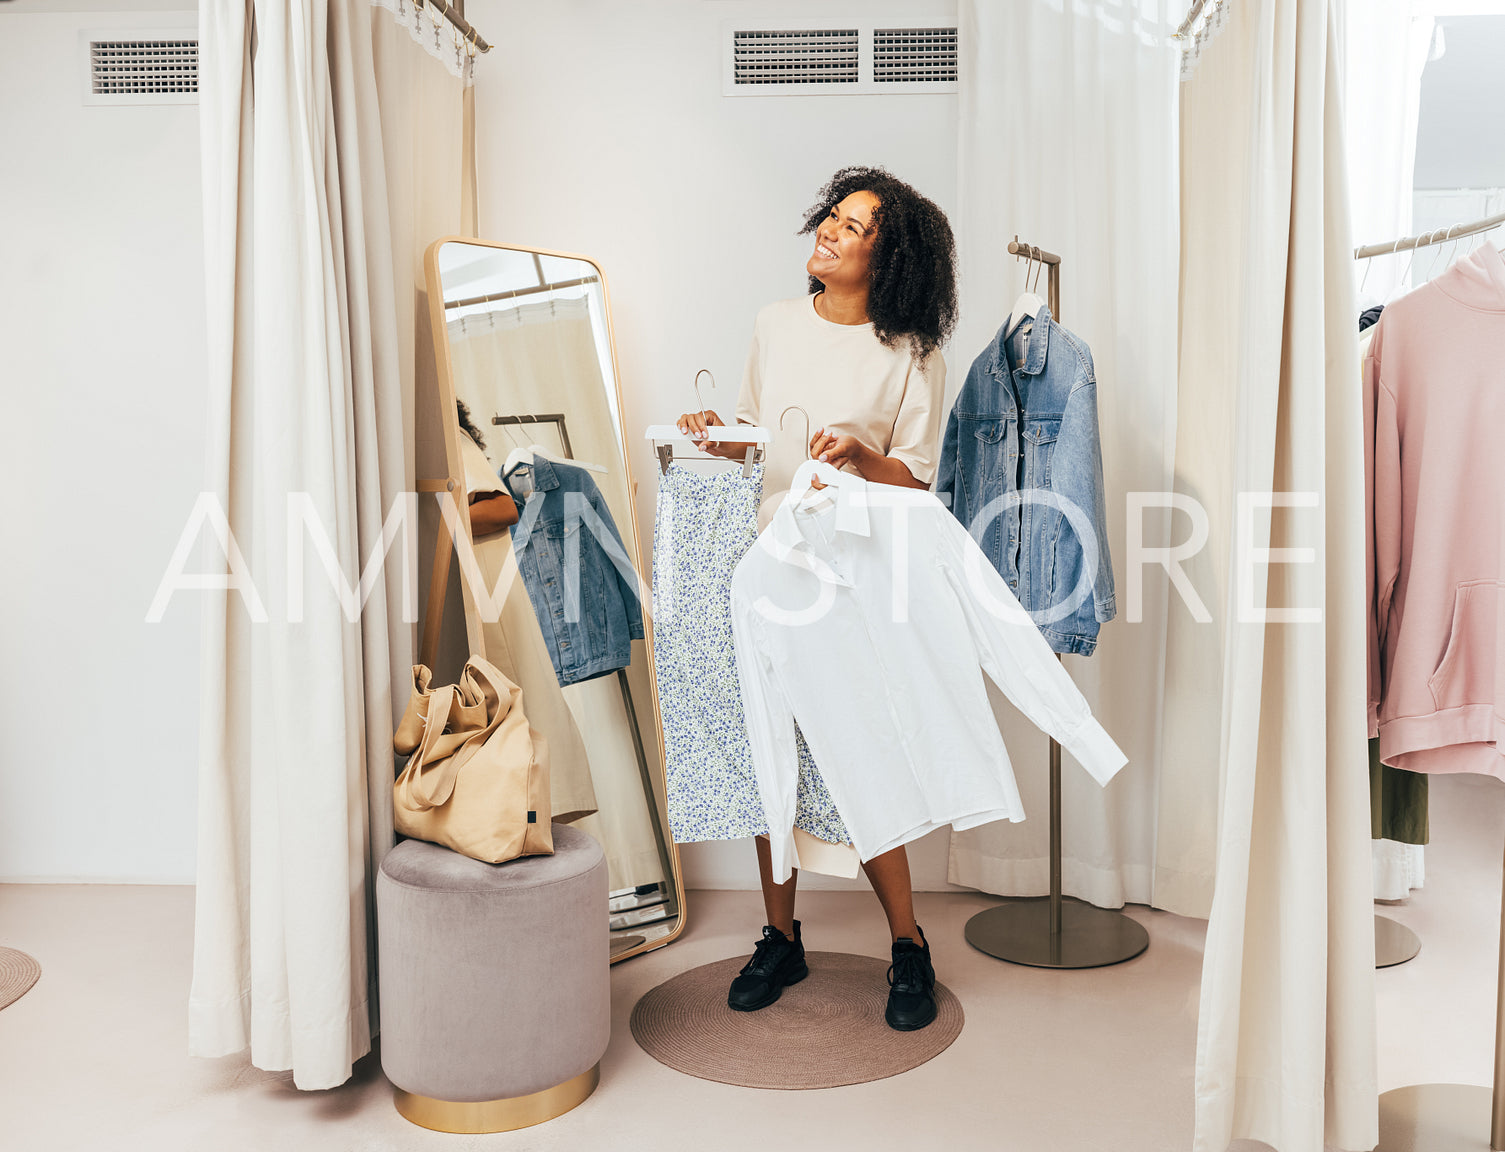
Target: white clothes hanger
518	455
828	474
1028	303
665	435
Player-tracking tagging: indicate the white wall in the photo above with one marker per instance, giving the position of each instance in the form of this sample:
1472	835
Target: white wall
1460	139
602	130
101	361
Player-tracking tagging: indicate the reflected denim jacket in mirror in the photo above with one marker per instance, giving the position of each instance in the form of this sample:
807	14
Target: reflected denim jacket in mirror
583	587
1022	463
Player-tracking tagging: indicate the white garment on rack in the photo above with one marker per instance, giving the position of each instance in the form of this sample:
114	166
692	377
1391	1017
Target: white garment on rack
906	614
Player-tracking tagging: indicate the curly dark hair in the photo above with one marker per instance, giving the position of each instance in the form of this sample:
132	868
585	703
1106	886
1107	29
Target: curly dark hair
467	424
912	289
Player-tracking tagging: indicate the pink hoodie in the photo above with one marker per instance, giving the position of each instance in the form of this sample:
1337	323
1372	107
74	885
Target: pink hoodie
1434	406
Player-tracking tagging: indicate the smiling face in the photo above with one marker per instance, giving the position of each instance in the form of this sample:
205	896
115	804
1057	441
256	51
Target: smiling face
844	243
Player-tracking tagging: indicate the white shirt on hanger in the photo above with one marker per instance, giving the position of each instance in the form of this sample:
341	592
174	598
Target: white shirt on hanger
870	617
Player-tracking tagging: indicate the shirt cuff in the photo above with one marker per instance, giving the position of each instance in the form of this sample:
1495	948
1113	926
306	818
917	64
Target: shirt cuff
1095	751
781	849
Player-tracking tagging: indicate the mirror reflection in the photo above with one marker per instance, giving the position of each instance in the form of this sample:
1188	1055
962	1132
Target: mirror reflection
540	439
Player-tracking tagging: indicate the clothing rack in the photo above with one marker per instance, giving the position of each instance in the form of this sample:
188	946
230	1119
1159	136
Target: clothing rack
456	16
556	418
1427	239
1053	933
1447	1117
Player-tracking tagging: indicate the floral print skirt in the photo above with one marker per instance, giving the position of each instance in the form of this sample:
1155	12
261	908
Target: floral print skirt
704	525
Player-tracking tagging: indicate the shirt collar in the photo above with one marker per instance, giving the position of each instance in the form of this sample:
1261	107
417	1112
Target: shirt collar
544	476
544	479
1034	359
851	517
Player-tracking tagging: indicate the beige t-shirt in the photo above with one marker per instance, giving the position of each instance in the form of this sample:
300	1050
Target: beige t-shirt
480	477
848	382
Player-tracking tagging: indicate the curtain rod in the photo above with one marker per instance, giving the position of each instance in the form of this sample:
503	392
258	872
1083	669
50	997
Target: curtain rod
1427	239
510	293
1191	19
459	21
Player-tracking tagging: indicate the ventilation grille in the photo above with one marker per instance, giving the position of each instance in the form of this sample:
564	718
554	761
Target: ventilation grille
914	55
814	56
144	67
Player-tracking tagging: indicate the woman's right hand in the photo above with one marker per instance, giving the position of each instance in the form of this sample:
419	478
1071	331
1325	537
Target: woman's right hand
694	425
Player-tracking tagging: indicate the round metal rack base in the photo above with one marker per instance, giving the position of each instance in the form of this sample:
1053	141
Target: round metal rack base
1090	937
1394	943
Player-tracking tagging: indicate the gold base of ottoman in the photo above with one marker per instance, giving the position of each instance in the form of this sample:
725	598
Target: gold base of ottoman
498	1115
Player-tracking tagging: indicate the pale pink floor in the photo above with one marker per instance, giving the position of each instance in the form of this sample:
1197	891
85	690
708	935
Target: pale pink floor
94	1057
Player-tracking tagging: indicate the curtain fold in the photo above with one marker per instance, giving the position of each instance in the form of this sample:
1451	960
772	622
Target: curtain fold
312	359
1077	154
1269	404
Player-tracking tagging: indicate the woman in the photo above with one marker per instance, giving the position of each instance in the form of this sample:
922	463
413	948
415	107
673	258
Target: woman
861	355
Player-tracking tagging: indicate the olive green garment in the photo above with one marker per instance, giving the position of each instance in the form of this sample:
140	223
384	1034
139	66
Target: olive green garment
1397	801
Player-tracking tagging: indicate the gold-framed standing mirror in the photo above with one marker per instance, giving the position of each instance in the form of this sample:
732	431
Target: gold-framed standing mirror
530	404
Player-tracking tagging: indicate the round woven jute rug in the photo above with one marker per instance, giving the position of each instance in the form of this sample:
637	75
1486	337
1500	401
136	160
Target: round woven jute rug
18	972
824	1032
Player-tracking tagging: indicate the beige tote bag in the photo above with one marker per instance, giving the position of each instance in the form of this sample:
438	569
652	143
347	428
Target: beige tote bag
477	779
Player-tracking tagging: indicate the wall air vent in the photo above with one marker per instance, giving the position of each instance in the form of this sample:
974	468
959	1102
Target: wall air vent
809	57
141	68
796	56
914	55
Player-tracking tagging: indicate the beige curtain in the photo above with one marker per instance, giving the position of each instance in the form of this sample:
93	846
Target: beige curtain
1099	99
1268	402
316	182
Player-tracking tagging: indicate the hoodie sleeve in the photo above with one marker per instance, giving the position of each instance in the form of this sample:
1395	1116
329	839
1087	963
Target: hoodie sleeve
1382	519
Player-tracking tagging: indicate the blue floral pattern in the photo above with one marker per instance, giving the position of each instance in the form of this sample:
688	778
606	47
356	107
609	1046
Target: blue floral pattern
704	525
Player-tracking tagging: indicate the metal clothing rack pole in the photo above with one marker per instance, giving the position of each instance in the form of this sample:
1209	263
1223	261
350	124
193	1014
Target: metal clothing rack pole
1436	236
541	418
1055	934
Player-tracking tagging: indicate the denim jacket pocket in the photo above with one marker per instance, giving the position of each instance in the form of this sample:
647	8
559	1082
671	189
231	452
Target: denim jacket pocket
1042	431
989	431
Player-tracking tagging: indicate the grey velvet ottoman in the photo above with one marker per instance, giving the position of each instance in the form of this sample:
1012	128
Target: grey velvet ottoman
495	985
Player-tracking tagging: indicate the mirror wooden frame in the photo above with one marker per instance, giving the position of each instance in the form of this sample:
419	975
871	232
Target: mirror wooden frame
433	615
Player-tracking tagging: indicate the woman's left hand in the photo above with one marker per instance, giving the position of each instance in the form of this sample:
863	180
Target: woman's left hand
839	450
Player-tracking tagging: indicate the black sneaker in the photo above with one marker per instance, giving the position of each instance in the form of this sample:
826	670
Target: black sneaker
776	963
911	986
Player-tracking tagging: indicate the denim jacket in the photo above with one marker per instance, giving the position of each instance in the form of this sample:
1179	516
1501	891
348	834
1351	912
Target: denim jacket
1022	464
580	581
